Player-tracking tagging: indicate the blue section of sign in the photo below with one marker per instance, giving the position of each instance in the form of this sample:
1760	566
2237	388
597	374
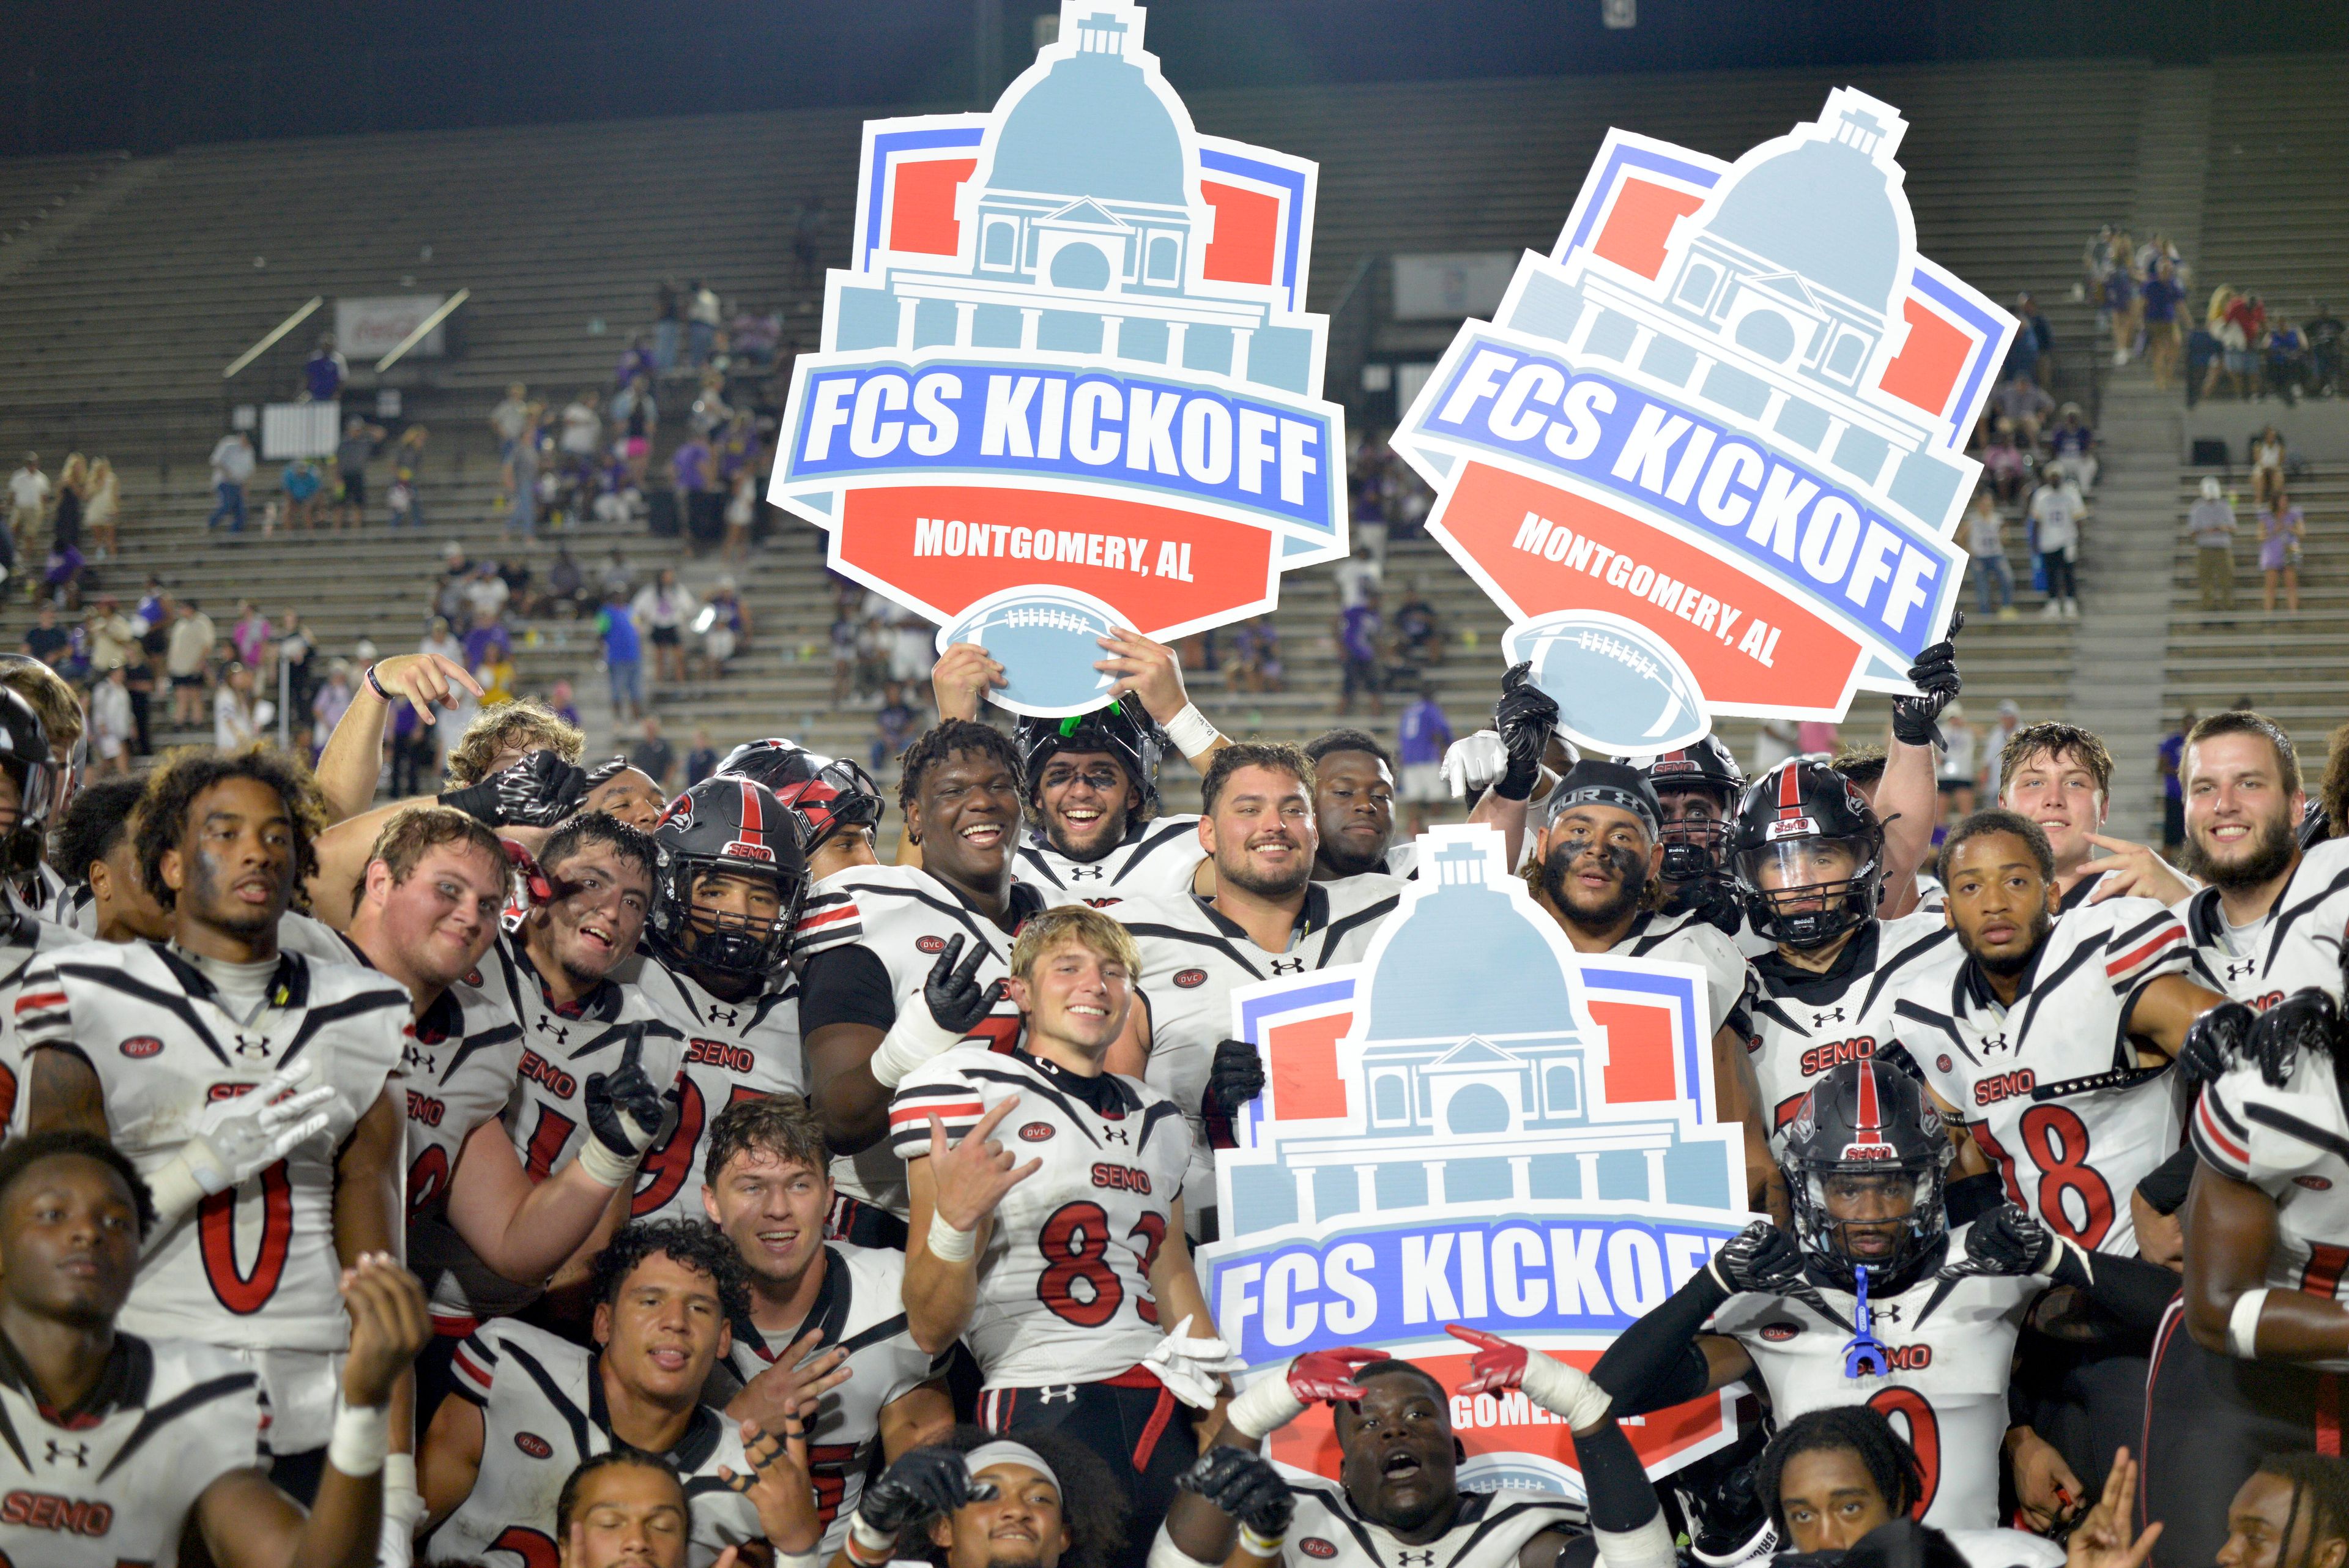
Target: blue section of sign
1292	239
1174	442
1790	525
1521	1275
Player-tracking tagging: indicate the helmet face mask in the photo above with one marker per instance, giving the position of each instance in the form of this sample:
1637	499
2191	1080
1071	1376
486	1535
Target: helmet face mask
742	942
1866	1160
1695	845
1807	854
719	842
838	796
1121	731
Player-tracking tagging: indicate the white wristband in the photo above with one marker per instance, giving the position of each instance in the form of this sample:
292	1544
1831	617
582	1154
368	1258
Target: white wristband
174	1189
1190	731
911	1042
1648	1546
1266	1546
400	1472
2243	1325
1567	1391
604	1167
1264	1404
876	1545
1164	1553
362	1437
948	1244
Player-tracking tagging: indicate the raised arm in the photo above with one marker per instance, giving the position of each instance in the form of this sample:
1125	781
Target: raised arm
952	1192
353	760
1153	672
1908	801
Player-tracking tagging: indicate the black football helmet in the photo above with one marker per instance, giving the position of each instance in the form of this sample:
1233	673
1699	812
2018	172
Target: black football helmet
1694	848
837	795
736	827
1867	1127
773	762
25	758
1793	825
1124	729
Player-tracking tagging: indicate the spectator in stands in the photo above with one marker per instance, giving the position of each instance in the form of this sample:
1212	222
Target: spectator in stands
702	761
2074	446
636	359
2282	530
582	431
102	507
400	499
2056	508
756	337
2023	405
559	704
2211	521
1419	635
231	463
661	611
566	585
725	625
73	492
112	635
668	320
636	415
295	648
2267	454
1986	544
709	412
892	725
2324	332
807	240
2242	327
2034	345
324	371
2286	361
237	717
702	314
741	511
623	655
1358	627
510	418
521	599
352	455
2005	463
692	470
1957	775
2162	296
332	700
2168	759
300	482
618	575
439	641
113	728
1256	663
28	504
44	639
913	648
2122	303
653	756
486	593
487	643
250	635
1421	736
520	478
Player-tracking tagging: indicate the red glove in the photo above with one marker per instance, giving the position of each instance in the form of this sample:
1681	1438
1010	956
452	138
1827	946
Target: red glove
1327	1375
1498	1364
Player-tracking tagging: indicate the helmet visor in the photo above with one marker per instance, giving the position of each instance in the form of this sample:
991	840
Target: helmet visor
28	792
1798	874
1868	1212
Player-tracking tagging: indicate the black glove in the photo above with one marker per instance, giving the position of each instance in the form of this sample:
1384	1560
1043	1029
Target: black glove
539	791
953	994
2006	1241
624	1111
1245	1487
2308	1021
1761	1259
1236	1077
1935	676
928	1483
2214	1042
1714	899
1526	717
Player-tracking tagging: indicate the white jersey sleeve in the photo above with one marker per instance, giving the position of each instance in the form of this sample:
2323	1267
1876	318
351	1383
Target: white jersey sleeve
733	1051
1065	1290
1689	938
2292	1144
2298	945
1155	860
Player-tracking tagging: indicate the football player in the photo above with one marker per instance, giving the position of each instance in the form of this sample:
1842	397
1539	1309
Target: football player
882	993
623	1509
1353	809
528	1407
2271	919
27	786
838	809
98	861
1859	1308
1810	860
1697	788
1268	917
825	1337
2257	1369
1596	871
58	707
136	1041
1093	797
1832	1476
717	969
980	1501
2061	777
121	1449
1069	1276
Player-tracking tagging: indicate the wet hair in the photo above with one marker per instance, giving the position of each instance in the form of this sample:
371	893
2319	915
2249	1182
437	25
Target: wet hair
528	724
1863	765
1078	923
2243	721
2057	739
19	1155
567	1503
1329	741
2320	1484
94	825
1856	1429
1994	820
172	792
693	1244
1279	755
781	1125
942	741
592	827
1092	1504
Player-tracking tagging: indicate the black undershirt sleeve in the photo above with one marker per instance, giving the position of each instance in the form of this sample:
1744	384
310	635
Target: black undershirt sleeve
846	985
1968	1198
2165	1185
1656	1362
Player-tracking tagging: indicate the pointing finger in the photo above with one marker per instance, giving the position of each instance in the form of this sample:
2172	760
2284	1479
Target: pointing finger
946	956
991	1120
1476	1337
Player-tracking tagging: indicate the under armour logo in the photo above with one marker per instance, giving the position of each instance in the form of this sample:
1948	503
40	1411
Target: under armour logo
1884	1311
1416	1559
1832	1015
1287	966
252	1050
1116	1134
1057	1394
561	1031
78	1453
1992	1044
724	1015
416	1061
1079	873
2242	969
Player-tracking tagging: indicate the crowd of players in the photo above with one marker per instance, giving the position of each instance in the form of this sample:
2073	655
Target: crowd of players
546	1173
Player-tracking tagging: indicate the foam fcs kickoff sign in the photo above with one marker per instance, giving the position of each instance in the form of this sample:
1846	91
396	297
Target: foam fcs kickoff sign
1068	382
1710	456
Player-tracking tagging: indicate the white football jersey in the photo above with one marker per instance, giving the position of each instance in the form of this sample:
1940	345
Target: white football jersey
1155	860
733	1051
30	938
253	1270
1953	1344
2050	1089
1689	938
1064	1282
1804	1023
905	918
1489	1530
543	1412
2292	1144
115	1482
1193	958
861	1304
2298	945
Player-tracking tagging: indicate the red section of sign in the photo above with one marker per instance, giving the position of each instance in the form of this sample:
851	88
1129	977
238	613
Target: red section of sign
1228	565
1809	666
1930	362
922	207
1248	233
1304	1057
1639	1051
1640	222
1310	1441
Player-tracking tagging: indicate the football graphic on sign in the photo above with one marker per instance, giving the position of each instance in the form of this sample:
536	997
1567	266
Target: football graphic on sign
1069	372
1730	406
1612	677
